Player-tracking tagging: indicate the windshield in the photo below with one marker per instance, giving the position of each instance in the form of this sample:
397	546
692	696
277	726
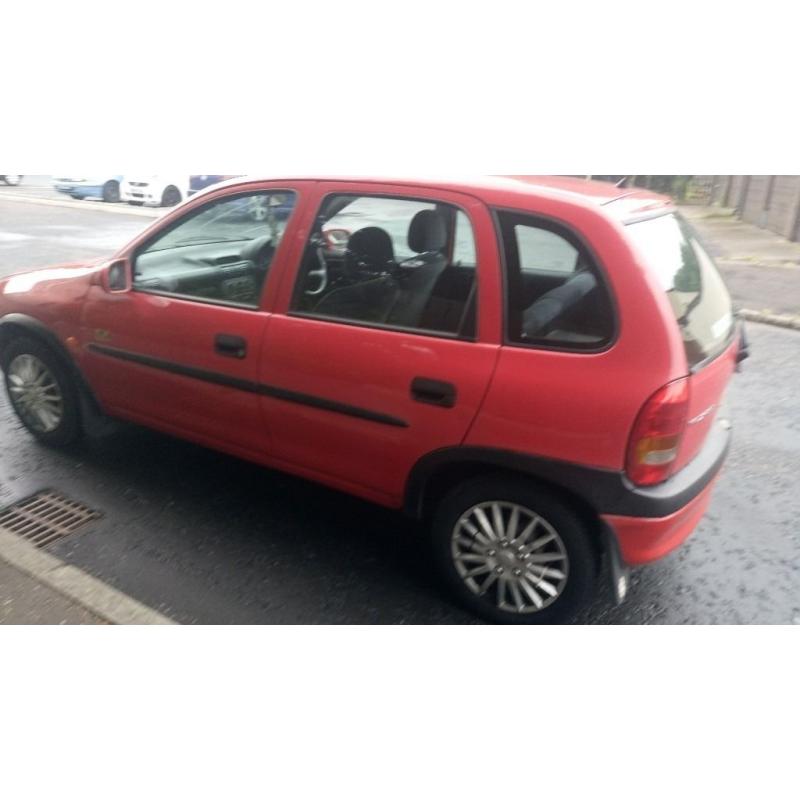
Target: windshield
696	291
232	219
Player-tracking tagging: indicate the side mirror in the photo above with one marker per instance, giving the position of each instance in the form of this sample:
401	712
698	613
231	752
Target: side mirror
116	276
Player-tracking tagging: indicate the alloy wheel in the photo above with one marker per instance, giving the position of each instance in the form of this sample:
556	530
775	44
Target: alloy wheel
510	556
35	393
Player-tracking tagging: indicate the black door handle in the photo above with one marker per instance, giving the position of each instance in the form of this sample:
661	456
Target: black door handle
231	346
433	392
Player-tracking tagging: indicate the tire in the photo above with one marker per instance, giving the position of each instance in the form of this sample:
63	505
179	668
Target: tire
12	180
171	196
111	192
569	554
13	362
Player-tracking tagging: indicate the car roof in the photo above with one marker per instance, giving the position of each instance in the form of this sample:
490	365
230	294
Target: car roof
512	190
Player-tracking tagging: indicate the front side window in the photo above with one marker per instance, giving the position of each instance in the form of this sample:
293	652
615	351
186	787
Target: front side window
390	262
555	294
220	253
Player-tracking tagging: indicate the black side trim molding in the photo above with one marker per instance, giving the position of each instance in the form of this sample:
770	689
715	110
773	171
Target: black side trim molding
606	491
221	379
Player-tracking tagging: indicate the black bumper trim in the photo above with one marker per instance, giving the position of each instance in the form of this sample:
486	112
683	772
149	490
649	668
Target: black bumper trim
606	491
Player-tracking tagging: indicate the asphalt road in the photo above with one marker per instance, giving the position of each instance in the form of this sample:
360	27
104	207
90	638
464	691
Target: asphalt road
204	537
34	235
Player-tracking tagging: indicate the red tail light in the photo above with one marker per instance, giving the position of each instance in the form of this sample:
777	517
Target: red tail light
656	436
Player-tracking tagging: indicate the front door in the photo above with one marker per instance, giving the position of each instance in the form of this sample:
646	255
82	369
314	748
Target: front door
180	349
376	355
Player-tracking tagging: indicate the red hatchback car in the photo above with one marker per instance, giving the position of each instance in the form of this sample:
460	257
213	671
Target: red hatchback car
534	367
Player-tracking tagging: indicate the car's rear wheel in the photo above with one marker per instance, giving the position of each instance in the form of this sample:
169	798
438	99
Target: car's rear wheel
171	196
42	393
12	180
512	552
111	192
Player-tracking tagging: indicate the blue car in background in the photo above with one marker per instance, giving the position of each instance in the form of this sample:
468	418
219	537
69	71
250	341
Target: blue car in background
104	187
198	182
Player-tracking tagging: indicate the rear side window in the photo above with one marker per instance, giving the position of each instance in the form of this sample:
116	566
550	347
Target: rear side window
555	294
698	296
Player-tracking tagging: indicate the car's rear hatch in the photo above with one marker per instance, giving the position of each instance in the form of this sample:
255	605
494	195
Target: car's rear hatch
704	313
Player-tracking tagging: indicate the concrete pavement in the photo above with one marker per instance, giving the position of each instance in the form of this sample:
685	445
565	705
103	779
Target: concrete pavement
37	587
26	601
762	269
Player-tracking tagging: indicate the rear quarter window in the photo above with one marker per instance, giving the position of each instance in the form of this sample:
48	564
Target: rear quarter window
697	294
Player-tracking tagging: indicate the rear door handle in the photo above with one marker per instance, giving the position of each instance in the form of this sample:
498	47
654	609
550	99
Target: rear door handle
433	392
231	346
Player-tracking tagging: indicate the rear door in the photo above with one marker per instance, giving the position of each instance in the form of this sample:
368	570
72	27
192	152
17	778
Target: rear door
385	336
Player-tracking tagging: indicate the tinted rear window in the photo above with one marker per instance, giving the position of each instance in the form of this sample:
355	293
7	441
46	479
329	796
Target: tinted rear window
696	291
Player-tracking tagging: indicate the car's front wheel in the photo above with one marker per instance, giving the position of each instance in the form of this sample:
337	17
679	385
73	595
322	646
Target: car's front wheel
12	180
171	196
512	552
42	393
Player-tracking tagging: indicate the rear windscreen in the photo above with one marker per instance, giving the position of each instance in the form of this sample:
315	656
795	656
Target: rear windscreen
696	291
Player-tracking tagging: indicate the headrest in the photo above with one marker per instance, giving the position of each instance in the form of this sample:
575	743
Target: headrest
427	232
552	305
373	244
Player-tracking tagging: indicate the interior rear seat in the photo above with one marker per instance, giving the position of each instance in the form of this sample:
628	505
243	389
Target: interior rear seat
540	318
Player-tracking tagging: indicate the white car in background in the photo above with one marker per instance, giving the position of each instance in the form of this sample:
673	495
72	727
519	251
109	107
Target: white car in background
154	190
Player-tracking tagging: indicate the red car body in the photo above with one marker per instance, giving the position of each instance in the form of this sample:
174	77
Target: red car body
331	401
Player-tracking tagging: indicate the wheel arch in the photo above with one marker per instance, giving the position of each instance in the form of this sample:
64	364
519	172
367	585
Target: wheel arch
15	325
435	474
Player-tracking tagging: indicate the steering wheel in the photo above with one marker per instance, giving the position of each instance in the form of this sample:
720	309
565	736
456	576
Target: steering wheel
259	252
321	272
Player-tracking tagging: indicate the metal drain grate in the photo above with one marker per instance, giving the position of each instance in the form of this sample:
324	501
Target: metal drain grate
45	517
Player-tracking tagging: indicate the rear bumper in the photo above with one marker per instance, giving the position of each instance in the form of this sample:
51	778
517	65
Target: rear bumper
644	534
645	539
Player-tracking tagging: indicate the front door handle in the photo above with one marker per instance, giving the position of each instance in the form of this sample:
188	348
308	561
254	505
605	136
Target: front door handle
433	392
231	346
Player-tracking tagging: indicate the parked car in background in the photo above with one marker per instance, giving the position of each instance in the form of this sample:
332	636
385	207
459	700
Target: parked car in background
11	180
102	187
533	369
199	182
155	190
